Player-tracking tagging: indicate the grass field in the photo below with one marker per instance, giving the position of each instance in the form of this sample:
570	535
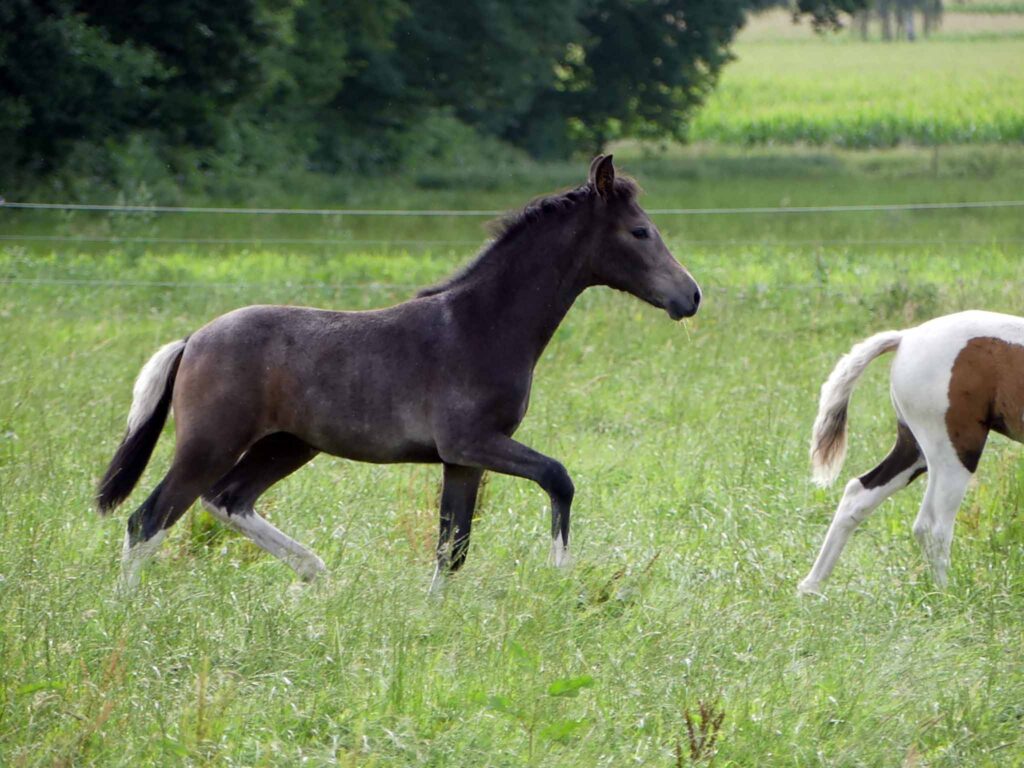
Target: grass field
694	515
963	85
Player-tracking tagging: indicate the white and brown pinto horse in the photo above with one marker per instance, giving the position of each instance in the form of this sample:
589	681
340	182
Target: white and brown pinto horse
953	380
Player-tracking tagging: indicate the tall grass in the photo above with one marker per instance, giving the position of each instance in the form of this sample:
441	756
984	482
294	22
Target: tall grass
694	519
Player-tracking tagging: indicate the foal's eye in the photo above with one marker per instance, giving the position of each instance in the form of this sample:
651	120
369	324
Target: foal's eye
641	233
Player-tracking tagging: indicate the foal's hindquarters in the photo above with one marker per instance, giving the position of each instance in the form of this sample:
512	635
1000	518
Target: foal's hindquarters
953	379
228	446
253	403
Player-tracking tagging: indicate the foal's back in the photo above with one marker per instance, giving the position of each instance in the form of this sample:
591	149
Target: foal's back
264	369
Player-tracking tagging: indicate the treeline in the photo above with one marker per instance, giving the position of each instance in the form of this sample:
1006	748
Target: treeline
896	18
253	86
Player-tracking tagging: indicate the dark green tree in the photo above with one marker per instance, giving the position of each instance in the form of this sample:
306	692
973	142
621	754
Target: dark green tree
94	70
484	59
334	89
208	51
641	69
64	79
335	84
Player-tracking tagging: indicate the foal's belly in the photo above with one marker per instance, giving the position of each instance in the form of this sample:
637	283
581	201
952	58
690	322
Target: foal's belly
379	429
377	451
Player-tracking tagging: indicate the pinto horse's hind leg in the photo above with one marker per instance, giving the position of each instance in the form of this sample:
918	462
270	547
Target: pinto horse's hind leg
862	496
197	464
458	502
948	477
232	498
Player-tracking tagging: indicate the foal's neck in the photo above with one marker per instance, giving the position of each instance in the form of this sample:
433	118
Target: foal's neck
534	278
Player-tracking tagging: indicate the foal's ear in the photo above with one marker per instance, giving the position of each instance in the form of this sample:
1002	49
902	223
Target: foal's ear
592	175
602	176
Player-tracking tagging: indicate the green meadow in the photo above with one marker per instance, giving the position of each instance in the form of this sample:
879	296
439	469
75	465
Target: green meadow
694	517
677	638
962	85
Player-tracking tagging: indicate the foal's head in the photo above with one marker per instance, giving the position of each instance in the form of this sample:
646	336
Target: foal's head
626	251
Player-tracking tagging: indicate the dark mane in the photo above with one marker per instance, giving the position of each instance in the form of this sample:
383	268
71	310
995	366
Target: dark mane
513	224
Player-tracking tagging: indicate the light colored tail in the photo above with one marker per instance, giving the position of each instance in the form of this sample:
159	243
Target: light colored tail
151	401
151	382
828	437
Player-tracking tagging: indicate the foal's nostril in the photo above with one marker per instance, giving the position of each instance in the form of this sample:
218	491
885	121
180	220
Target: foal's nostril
679	309
696	297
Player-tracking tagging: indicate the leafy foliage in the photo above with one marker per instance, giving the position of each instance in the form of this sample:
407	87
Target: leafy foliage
640	70
335	84
94	71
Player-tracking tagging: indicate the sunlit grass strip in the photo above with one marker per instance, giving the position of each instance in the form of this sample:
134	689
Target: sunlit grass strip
869	94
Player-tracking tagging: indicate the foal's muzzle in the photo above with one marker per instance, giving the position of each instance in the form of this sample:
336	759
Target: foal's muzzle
683	306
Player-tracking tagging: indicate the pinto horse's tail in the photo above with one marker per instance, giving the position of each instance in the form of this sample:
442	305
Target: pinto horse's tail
828	437
151	400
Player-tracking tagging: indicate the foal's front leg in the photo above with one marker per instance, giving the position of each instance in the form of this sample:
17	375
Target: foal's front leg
501	453
458	502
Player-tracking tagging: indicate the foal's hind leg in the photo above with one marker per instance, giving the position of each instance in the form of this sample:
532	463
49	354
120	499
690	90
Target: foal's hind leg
948	476
862	496
232	498
458	501
197	464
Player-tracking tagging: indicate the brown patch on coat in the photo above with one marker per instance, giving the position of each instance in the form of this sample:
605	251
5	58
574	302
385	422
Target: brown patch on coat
986	391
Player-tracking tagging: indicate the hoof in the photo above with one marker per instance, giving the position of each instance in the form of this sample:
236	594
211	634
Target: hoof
806	587
560	557
308	569
438	583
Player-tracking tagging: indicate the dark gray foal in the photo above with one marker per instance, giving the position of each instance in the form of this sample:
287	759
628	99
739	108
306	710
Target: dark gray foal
442	378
